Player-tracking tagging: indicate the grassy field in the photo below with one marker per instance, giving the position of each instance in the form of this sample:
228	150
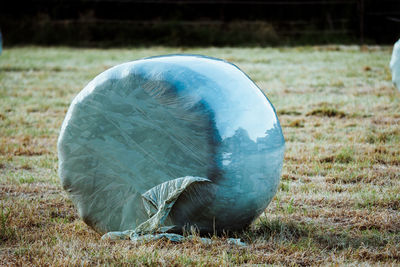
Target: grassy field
339	198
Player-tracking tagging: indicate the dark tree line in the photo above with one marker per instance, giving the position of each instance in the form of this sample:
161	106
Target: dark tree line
199	22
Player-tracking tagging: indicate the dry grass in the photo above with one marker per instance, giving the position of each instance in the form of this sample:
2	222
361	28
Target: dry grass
339	199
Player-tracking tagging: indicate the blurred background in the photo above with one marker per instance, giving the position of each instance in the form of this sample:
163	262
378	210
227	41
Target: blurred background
106	23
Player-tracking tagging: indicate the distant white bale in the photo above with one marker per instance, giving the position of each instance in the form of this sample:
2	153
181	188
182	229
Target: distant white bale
395	64
1	43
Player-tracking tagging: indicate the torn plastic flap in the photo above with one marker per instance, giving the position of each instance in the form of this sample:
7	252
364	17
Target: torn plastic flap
159	200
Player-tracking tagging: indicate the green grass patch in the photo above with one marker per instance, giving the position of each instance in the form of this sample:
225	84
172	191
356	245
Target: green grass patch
339	199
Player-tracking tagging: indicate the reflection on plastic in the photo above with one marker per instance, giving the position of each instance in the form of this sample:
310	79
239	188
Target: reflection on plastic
155	127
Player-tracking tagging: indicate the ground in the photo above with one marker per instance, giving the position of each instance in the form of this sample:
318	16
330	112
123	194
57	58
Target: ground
339	197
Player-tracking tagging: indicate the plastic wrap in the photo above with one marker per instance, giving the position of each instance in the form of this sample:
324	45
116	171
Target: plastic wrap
395	64
172	141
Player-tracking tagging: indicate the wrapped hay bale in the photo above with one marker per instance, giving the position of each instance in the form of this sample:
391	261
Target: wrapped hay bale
395	65
169	142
